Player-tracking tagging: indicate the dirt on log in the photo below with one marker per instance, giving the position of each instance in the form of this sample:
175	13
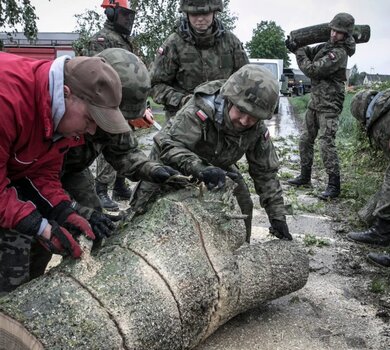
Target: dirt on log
321	33
167	280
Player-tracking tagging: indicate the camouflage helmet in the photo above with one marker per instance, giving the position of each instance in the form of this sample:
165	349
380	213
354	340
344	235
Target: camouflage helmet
343	22
200	6
359	104
135	80
254	90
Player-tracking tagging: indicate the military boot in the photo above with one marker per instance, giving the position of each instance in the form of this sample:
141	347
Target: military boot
378	234
382	260
105	201
303	179
121	191
333	188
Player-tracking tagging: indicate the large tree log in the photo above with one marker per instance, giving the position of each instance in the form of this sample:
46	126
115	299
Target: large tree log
321	33
166	281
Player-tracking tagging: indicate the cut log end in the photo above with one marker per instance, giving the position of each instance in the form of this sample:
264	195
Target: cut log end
15	336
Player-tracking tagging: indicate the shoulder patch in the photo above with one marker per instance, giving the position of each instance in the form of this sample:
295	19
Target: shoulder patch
202	115
160	51
331	55
101	39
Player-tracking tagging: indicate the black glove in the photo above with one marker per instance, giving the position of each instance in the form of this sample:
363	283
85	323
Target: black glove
213	177
235	176
101	225
280	230
291	45
30	224
163	173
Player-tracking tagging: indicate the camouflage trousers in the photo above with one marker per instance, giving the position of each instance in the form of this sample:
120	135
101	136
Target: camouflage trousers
81	187
105	173
324	126
22	259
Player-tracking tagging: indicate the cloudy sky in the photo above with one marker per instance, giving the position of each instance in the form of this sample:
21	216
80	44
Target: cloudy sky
372	57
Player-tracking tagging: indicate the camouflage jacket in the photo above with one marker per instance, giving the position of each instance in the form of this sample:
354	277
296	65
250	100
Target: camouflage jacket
107	38
191	143
185	61
120	150
325	65
378	128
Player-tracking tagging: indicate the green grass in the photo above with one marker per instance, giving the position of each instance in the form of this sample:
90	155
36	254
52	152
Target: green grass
379	285
311	240
362	167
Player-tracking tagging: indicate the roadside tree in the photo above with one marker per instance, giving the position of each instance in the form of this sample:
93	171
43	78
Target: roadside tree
268	42
18	13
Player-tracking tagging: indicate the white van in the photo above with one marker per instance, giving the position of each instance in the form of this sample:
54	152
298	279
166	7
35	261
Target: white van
275	66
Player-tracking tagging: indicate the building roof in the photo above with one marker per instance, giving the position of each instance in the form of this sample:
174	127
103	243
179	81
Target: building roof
43	39
377	77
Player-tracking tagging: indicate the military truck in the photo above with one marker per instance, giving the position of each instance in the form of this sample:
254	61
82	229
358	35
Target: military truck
295	82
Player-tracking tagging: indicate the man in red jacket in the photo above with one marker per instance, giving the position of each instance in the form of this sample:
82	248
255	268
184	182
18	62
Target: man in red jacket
46	107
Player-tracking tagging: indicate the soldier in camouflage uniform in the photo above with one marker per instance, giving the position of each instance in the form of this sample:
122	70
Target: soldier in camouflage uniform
199	50
119	150
372	109
326	65
115	34
217	127
116	30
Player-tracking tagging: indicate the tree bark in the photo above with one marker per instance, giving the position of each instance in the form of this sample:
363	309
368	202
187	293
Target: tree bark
321	33
167	280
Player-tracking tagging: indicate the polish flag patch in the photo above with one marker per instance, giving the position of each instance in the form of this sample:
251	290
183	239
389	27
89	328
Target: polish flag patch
160	51
332	55
202	115
266	135
100	40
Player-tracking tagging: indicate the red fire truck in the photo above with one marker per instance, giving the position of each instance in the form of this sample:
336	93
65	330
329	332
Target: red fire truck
47	45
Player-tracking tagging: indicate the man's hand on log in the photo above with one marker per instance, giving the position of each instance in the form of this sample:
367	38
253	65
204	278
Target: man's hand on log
163	173
58	240
213	177
280	229
77	224
291	45
101	225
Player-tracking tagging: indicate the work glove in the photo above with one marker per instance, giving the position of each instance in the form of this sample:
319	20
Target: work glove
280	230
213	177
163	173
101	225
65	216
291	45
78	225
235	176
30	224
61	242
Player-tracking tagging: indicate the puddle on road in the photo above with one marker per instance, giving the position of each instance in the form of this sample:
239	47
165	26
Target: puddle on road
283	124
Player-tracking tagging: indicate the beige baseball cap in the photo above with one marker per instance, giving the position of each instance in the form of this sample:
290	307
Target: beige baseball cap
95	81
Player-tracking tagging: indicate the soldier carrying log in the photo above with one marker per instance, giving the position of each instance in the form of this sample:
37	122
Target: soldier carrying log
326	65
